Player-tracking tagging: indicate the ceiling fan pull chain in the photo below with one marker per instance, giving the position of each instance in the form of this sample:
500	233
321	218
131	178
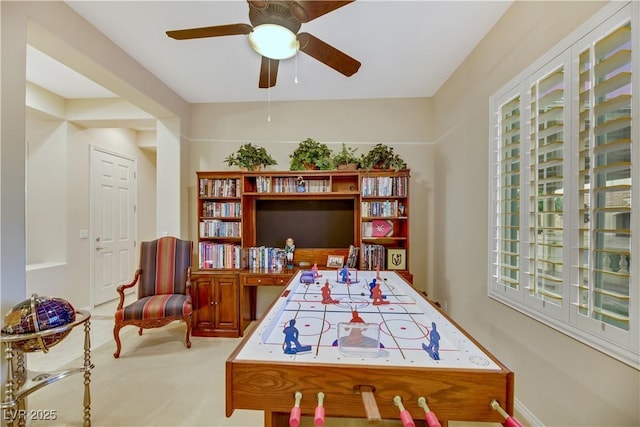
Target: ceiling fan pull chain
269	94
295	79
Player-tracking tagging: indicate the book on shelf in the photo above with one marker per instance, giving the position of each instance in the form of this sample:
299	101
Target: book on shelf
291	184
386	208
264	258
221	209
382	228
222	229
381	186
219	187
219	255
352	258
373	256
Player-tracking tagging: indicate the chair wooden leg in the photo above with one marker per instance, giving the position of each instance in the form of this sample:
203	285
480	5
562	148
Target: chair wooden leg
188	322
116	336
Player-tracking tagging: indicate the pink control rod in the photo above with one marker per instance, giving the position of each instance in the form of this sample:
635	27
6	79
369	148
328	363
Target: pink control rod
318	418
405	416
509	420
294	418
432	420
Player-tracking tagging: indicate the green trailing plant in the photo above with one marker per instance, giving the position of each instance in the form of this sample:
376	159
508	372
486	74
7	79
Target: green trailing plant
311	154
346	156
381	156
251	157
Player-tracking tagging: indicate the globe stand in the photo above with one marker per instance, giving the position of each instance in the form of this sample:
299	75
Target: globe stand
18	385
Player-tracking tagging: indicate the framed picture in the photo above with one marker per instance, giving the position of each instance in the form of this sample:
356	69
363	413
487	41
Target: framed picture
396	259
335	261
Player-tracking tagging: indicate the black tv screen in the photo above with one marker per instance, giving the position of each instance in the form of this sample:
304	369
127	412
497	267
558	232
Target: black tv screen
311	223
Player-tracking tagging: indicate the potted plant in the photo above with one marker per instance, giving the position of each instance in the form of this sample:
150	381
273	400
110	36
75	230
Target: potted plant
382	157
251	157
311	154
346	158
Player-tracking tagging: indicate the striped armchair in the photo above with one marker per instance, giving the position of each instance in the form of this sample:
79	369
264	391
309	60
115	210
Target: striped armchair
164	285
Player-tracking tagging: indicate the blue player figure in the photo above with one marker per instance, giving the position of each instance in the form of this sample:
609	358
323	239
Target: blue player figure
291	336
344	274
434	343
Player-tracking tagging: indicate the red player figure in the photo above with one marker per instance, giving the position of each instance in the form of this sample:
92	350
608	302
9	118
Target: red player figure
378	272
377	295
355	336
355	317
326	294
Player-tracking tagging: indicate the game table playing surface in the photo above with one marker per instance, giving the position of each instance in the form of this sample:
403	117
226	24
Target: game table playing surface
458	383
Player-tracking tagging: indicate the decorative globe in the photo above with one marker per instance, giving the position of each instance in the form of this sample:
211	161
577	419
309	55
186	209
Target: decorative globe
39	314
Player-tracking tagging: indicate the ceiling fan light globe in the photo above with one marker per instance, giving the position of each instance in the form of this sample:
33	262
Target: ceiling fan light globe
274	41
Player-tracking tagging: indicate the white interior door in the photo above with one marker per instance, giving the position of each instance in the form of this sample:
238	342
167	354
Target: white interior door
113	195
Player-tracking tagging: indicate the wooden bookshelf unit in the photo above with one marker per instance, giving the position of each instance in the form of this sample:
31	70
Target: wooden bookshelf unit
245	217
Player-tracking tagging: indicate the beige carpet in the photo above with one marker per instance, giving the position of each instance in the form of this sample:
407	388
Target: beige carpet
156	381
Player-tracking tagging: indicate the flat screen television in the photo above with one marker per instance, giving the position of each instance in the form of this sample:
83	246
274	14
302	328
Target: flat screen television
311	223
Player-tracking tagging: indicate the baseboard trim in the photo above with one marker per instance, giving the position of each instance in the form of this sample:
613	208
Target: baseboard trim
525	416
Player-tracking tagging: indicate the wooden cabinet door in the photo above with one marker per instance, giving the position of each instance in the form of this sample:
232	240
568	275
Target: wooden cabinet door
215	305
225	303
203	308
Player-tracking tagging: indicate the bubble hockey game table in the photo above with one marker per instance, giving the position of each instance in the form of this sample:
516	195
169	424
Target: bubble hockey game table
460	385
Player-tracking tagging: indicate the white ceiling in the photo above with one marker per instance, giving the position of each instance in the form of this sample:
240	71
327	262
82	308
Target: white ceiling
407	49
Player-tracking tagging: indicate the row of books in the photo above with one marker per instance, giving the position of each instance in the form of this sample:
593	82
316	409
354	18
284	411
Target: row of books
217	228
382	208
373	256
230	256
222	209
219	187
265	258
220	255
382	186
267	184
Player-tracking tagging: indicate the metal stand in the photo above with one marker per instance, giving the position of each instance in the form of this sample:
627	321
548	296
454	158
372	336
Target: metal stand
18	385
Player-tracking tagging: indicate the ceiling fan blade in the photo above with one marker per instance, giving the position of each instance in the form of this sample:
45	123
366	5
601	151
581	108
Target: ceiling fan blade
268	72
216	31
305	11
327	54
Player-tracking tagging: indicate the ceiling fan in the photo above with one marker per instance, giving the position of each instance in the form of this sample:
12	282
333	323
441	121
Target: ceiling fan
273	20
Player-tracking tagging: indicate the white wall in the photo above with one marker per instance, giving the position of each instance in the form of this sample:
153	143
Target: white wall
46	191
56	30
563	382
58	190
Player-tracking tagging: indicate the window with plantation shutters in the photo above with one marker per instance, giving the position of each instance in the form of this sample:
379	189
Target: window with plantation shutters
509	258
564	185
605	177
546	188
